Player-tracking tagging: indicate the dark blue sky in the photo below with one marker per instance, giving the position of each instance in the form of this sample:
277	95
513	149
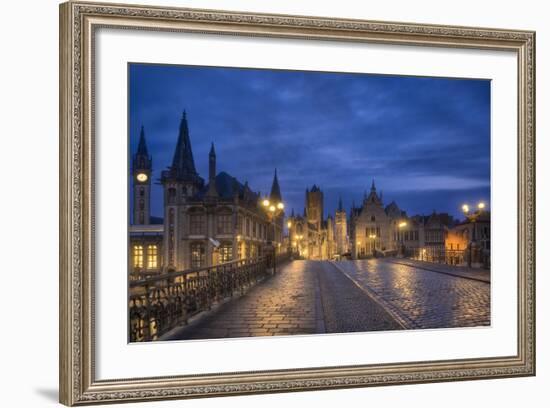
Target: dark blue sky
425	141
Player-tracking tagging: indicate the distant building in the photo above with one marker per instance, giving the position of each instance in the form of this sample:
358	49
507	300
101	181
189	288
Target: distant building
469	242
204	224
310	235
341	230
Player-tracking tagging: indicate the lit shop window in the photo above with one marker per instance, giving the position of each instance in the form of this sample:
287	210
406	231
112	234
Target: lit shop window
152	257
138	256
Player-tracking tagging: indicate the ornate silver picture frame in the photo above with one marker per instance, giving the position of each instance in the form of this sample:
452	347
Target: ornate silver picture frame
79	22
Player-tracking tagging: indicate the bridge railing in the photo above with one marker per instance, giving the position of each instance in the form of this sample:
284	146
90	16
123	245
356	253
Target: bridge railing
159	303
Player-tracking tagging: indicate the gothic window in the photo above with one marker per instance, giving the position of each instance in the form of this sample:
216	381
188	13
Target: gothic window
248	227
171	195
141	205
373	218
224	223
138	256
152	257
197	224
197	255
225	252
141	192
254	224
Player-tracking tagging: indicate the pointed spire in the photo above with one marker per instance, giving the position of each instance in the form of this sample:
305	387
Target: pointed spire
212	163
141	159
373	187
212	188
142	146
275	194
183	163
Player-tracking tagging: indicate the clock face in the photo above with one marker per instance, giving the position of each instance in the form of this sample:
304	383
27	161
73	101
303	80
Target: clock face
142	177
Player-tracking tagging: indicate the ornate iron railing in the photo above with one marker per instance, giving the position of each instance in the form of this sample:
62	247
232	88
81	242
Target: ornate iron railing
157	304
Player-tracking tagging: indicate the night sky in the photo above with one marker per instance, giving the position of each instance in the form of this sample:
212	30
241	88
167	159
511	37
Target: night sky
425	141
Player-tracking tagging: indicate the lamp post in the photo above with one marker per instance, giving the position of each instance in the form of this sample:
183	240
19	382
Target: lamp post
402	225
273	210
472	217
289	226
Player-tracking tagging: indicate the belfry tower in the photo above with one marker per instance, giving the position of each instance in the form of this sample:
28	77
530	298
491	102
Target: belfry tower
142	165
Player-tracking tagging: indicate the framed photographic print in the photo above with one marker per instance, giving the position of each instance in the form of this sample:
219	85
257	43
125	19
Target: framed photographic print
258	203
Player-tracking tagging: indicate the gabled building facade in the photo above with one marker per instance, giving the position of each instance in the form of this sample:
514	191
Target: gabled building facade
205	223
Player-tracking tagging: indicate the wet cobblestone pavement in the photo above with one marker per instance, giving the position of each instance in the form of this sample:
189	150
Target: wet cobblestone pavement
280	305
423	298
347	308
307	297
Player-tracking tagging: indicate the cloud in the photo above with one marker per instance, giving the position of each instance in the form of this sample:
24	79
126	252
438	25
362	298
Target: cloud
413	135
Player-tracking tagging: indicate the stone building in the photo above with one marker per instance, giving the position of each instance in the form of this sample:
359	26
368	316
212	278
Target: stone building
376	230
341	230
311	236
470	240
205	223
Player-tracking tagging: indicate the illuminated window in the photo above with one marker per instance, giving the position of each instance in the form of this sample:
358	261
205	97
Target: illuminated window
197	255
226	252
152	257
138	256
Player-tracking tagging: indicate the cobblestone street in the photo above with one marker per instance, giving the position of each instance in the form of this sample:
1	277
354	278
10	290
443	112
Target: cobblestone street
307	297
423	298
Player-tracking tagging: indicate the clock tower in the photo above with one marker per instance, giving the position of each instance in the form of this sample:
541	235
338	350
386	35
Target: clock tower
141	178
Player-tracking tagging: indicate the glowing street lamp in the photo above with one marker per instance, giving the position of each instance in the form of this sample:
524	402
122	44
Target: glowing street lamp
273	209
472	217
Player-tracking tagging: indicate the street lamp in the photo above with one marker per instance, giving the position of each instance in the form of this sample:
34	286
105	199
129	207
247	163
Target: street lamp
273	210
402	225
472	217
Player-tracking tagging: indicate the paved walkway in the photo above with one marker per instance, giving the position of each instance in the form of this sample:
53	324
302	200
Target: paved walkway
305	297
422	298
482	275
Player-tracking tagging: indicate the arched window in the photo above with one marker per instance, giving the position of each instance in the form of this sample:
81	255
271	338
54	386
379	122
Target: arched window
373	218
171	195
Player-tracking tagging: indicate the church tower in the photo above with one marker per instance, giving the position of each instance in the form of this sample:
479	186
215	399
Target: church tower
141	177
276	197
314	206
341	229
180	183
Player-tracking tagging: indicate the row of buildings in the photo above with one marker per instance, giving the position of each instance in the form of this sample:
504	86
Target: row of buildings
374	229
207	222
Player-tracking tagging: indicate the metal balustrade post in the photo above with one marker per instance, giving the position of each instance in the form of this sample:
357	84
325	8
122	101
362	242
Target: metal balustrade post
147	326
